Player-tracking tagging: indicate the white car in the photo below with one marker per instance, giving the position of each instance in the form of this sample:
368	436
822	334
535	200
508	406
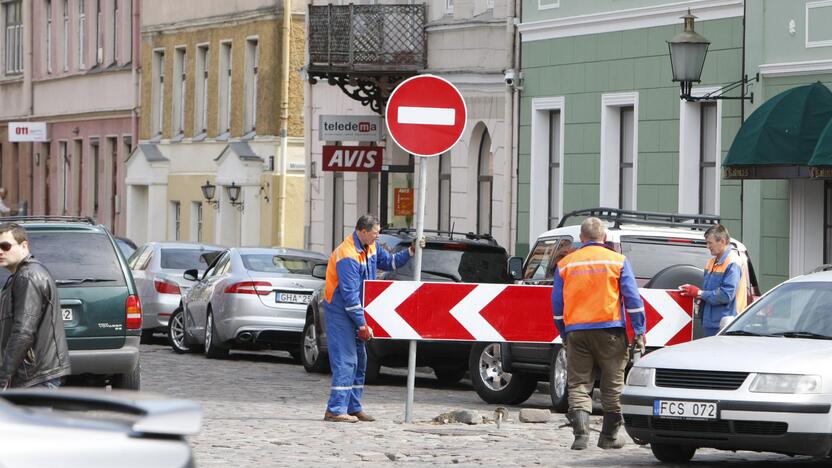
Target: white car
764	383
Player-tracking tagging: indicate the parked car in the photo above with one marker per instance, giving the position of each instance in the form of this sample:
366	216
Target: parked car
100	305
665	251
764	383
247	298
157	270
82	428
126	246
465	258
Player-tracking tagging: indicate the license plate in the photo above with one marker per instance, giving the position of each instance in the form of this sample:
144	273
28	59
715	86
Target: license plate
292	298
66	314
685	409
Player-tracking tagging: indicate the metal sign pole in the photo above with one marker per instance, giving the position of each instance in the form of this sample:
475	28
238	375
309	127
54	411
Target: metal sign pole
417	276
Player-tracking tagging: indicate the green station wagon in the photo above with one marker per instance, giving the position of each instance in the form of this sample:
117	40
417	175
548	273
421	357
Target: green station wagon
99	303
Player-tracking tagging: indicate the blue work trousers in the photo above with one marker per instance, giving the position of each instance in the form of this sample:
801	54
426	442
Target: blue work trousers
348	360
709	331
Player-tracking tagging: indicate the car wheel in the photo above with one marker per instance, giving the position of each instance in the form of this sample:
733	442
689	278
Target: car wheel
213	350
449	375
494	385
557	381
669	453
373	372
176	333
129	381
313	360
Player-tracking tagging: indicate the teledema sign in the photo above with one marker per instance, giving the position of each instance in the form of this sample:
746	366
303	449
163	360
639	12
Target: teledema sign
27	131
352	158
349	128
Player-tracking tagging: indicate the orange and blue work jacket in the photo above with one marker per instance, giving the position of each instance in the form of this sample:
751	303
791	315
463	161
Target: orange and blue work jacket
349	266
723	291
593	287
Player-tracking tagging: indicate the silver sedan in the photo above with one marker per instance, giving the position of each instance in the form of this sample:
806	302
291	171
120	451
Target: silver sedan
248	298
157	270
764	383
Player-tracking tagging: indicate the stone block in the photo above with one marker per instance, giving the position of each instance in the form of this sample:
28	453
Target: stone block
532	415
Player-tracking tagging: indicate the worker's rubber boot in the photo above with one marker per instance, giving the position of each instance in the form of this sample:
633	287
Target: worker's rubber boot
609	438
580	428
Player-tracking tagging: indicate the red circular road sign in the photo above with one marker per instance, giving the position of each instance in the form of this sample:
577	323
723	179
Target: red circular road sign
426	115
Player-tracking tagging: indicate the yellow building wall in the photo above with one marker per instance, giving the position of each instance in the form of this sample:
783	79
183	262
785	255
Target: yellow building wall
269	213
186	189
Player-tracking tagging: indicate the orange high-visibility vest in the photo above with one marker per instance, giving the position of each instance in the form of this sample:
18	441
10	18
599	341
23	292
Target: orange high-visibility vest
591	292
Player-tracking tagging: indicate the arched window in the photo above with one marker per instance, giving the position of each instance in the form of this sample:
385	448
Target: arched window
485	180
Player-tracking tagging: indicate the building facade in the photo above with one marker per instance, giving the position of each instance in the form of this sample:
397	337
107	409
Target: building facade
212	93
73	65
470	188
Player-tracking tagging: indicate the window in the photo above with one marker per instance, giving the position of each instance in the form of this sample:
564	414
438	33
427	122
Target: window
372	192
66	35
449	6
175	221
489	4
545	256
14	37
82	32
64	164
77	176
128	15
626	176
708	175
337	208
225	88
48	36
98	32
158	110
111	178
179	90
252	61
96	177
444	192
201	82
554	169
116	19
484	185
196	221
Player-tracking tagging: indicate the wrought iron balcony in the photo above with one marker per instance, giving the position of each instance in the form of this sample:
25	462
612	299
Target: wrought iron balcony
366	49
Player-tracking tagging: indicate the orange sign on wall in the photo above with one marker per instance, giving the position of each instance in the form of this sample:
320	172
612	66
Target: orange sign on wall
403	202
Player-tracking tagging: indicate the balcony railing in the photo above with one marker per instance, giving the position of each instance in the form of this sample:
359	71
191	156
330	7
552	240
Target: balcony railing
367	38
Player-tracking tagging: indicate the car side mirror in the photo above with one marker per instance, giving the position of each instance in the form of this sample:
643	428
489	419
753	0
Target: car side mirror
319	271
515	268
191	275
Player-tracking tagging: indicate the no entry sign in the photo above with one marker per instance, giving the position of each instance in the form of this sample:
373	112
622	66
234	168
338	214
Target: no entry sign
426	115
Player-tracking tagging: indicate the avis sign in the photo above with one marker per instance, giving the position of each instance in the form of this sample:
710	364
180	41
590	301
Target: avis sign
352	158
27	131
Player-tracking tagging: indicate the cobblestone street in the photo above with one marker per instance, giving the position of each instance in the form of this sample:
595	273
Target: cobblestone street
260	409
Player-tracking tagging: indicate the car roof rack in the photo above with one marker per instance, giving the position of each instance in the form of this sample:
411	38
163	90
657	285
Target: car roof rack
35	218
618	217
450	234
824	267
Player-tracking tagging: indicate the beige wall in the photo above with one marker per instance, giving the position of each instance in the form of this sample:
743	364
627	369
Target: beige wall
293	237
186	190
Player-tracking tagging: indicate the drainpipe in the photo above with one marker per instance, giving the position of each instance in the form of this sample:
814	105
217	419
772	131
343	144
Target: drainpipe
508	116
285	36
29	96
136	58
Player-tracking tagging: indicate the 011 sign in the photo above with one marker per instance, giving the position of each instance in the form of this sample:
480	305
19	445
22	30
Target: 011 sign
27	131
352	158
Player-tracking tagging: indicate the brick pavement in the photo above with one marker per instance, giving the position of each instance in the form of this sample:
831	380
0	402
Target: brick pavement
261	410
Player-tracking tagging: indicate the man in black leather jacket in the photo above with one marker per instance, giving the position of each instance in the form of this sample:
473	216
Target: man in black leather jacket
33	349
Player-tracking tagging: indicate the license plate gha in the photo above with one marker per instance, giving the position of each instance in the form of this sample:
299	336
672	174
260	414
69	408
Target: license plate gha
66	314
292	298
685	409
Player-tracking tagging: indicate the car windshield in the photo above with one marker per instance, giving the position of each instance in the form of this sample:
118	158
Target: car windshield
75	258
650	255
184	259
269	263
794	310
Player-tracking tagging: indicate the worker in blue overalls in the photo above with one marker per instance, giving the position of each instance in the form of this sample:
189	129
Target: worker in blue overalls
351	263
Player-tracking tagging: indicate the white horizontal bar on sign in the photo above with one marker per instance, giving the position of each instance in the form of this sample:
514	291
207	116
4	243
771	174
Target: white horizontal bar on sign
427	115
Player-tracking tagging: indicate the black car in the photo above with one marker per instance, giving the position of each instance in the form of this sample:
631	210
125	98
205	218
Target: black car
461	258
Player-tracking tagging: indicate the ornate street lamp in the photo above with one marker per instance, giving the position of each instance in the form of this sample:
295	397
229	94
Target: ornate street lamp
233	192
208	192
688	50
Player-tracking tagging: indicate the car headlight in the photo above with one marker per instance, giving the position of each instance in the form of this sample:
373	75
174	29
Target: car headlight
640	376
785	383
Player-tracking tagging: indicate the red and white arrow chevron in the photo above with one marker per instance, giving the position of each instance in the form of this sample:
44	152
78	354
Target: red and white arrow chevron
413	310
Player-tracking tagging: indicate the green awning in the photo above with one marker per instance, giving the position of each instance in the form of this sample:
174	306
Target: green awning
782	133
821	161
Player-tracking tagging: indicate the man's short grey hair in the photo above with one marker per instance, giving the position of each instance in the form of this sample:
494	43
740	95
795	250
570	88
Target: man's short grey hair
593	229
718	232
366	222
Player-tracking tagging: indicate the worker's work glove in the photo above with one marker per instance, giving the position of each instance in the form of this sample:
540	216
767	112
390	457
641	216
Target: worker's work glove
690	290
365	333
422	244
640	344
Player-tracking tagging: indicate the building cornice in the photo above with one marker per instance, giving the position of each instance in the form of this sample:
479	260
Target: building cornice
260	14
622	20
811	67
